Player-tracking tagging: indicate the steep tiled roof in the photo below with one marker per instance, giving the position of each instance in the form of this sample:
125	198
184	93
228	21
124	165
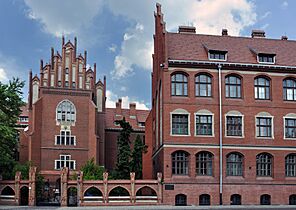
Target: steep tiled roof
111	116
185	46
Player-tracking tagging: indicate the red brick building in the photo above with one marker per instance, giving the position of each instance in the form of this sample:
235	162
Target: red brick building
68	120
223	119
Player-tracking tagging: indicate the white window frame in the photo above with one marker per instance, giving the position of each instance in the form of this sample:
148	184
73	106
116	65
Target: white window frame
266	115
213	59
60	122
179	111
288	116
205	113
56	138
266	62
234	113
65	160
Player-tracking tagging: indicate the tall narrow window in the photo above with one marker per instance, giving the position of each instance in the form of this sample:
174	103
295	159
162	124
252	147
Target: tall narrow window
66	112
233	87
203	85
290	165
290	128
204	125
234	125
180	163
263	126
180	124
204	164
234	166
179	85
289	86
264	164
262	88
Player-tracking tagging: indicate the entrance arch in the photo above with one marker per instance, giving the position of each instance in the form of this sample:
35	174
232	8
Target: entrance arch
72	196
24	196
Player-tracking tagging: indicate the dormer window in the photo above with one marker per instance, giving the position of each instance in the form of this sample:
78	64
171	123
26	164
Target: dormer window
266	58
217	55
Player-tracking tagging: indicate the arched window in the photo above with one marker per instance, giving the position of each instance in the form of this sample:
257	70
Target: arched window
66	112
292	199
204	164
264	164
203	85
179	85
233	87
262	88
234	166
180	163
235	199
181	200
265	199
204	200
290	165
289	86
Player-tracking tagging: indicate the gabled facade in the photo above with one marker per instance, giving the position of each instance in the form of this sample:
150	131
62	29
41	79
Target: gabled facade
222	124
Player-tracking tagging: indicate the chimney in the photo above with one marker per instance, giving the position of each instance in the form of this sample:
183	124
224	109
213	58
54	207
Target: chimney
118	107
284	38
258	34
63	40
224	32
133	113
187	29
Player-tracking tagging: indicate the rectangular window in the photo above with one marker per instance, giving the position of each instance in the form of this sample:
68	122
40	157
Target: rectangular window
73	73
67	63
204	125
290	128
52	80
217	55
263	127
234	125
80	81
180	124
65	161
65	138
266	58
80	67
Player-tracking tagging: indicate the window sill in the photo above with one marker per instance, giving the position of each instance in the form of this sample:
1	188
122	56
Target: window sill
180	135
290	139
206	136
264	138
268	178
235	137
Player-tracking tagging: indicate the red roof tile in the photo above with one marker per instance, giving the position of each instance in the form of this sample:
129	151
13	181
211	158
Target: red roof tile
111	116
192	47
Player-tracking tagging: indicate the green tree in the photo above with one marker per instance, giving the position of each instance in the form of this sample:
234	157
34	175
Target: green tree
137	156
23	168
122	170
92	171
10	103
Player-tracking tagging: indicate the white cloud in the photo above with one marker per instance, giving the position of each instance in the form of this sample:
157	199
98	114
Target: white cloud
208	16
3	76
265	15
126	100
113	48
284	5
64	17
123	88
265	26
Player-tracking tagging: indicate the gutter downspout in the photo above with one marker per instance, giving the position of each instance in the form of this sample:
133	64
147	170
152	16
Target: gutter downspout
220	136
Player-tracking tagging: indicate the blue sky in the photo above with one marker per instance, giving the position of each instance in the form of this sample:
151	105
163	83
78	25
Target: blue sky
118	34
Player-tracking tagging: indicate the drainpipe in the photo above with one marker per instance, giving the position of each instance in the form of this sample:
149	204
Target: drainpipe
220	135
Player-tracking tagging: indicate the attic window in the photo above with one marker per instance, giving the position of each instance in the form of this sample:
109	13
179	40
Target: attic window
266	58
141	124
217	55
